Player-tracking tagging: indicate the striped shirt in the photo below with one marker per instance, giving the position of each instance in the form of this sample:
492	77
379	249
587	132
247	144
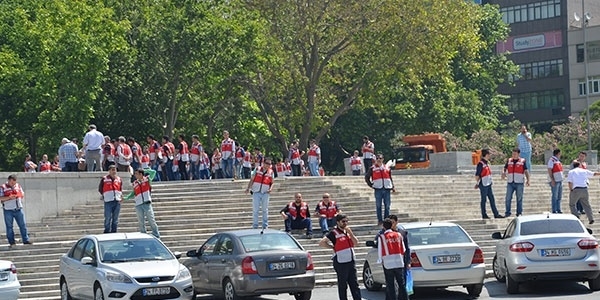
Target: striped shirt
523	143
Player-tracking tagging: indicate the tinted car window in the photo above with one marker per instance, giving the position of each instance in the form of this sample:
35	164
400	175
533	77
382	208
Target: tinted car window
89	250
510	230
225	246
77	252
268	241
133	250
210	246
551	226
437	235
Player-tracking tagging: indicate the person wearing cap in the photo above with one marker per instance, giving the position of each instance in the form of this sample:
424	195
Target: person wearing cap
92	145
68	155
111	189
379	178
11	196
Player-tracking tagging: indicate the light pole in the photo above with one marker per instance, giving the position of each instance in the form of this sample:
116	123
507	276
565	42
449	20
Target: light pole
584	22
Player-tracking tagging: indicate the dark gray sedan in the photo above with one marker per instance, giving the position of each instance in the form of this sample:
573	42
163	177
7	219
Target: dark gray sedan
252	262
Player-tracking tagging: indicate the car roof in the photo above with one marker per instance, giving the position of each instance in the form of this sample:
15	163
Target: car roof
246	232
414	225
544	216
119	236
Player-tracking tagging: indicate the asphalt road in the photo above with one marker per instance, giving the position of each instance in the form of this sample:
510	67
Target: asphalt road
491	290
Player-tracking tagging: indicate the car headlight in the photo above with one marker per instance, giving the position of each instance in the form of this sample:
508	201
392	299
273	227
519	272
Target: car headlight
184	273
117	277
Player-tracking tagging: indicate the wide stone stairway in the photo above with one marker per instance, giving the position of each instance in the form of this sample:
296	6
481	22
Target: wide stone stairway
190	212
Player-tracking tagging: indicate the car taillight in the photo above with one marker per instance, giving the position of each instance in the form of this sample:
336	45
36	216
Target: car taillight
477	257
587	244
414	260
309	262
521	247
248	266
13	268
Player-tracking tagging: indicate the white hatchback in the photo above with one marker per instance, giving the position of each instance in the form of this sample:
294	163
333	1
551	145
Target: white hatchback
546	247
9	283
442	254
123	266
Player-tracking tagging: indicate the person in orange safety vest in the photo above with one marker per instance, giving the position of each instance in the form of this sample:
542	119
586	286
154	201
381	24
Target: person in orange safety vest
296	215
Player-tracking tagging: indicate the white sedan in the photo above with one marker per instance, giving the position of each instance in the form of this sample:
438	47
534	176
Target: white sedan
123	266
442	255
9	283
546	247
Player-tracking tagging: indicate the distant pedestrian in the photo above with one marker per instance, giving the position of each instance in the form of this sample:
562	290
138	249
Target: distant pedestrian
11	196
379	178
93	141
260	185
29	166
342	241
68	155
524	145
555	174
295	158
517	176
227	155
483	176
578	187
355	163
581	159
112	194
314	158
368	151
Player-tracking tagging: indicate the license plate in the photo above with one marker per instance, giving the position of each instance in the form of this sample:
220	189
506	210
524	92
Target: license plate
156	291
556	252
3	276
282	265
446	259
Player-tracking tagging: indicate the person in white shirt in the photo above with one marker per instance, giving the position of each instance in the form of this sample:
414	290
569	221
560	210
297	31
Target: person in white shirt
578	187
93	141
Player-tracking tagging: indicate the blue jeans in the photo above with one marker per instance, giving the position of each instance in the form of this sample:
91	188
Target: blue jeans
326	223
168	169
382	197
260	200
155	168
298	224
518	189
227	167
15	215
314	168
487	193
396	275
145	211
527	157
556	196
195	170
111	216
204	174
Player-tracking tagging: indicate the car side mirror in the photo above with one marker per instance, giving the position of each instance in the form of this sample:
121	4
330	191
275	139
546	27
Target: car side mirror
177	254
371	244
497	235
192	253
87	261
590	231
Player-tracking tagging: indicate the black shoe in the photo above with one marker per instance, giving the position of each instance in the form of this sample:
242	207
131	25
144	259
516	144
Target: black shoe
485	217
507	215
591	222
28	243
518	215
582	212
499	217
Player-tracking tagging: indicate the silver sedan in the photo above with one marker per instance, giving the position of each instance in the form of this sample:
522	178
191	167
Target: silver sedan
546	247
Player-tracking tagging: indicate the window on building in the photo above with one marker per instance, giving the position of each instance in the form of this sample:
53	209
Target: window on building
580	53
593	83
540	69
529	12
552	99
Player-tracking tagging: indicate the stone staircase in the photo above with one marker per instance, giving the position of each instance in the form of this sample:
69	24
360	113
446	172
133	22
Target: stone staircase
189	212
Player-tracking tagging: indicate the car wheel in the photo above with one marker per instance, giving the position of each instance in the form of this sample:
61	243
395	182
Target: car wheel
64	290
512	286
368	279
497	273
98	294
303	295
474	289
229	291
594	284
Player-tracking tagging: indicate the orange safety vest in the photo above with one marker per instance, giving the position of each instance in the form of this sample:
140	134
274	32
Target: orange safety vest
355	163
312	153
391	247
7	191
45	166
141	189
486	174
382	177
145	161
343	246
328	210
280	168
367	149
227	148
184	153
515	170
557	169
262	179
292	209
109	152
155	150
111	188
295	156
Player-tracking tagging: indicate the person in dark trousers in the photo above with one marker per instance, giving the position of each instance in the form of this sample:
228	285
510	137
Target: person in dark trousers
483	176
391	251
296	215
342	240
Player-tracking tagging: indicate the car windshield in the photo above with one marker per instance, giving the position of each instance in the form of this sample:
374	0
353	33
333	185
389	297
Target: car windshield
435	235
268	241
411	155
551	226
117	251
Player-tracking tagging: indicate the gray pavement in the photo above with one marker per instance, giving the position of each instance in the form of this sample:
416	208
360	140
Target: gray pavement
492	290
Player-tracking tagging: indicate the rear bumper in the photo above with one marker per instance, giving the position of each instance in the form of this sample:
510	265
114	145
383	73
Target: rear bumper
525	270
441	278
578	275
10	291
250	285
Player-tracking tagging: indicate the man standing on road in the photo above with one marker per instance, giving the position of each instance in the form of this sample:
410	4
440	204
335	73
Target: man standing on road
112	194
379	177
391	250
524	145
296	215
483	176
515	171
578	187
11	196
342	241
92	145
555	173
261	185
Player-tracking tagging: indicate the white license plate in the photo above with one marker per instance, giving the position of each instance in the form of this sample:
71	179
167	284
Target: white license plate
556	252
3	276
282	265
446	259
156	291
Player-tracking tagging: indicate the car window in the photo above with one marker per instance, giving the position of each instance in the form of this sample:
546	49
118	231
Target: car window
225	246
268	241
210	246
435	235
116	251
551	226
510	230
89	250
77	251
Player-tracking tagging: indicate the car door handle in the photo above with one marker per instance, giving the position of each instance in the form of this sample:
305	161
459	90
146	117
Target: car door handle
223	260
